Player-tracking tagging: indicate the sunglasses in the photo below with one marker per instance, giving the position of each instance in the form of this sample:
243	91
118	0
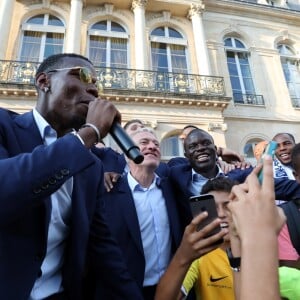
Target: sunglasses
85	76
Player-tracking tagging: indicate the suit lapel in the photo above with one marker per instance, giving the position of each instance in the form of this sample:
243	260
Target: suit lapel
171	211
27	132
128	211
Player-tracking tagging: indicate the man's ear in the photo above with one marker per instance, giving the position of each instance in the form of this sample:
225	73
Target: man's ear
41	81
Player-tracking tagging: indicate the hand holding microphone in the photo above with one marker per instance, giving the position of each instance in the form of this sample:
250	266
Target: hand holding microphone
123	140
104	116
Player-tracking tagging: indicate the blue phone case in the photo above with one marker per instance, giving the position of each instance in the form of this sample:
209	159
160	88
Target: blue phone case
269	150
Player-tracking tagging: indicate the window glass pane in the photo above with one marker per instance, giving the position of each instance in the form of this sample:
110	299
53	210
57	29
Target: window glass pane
238	97
118	53
228	42
249	85
170	146
36	20
117	27
54	44
179	64
232	69
230	57
100	25
159	57
248	150
97	51
238	44
235	84
174	33
286	71
31	46
160	31
243	57
245	69
55	21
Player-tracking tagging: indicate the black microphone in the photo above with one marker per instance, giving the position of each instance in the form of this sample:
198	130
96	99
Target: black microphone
123	140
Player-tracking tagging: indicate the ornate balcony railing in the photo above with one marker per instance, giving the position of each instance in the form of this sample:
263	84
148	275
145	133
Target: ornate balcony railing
20	75
296	102
251	99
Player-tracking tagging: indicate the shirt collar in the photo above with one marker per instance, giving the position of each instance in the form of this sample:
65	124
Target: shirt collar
47	133
198	177
135	186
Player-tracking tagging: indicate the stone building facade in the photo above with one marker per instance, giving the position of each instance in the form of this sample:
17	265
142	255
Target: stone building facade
228	66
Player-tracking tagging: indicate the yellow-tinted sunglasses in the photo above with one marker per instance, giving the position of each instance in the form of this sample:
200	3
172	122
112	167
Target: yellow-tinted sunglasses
85	76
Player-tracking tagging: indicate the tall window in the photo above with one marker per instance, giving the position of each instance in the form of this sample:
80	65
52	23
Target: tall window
108	45
43	35
168	51
239	70
168	54
290	66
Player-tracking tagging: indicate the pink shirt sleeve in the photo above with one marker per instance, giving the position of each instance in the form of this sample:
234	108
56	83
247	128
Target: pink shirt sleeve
285	247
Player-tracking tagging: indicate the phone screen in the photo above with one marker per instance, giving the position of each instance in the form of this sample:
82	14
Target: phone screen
206	203
269	150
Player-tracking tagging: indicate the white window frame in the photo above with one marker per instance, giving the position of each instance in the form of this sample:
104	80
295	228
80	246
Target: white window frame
44	28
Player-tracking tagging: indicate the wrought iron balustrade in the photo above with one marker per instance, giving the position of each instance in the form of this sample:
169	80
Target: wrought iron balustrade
19	73
251	99
296	102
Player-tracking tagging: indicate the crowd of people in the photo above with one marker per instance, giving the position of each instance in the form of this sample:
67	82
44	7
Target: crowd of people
80	220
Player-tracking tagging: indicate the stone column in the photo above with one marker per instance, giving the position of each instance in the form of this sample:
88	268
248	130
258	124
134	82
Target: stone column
138	7
6	13
195	14
74	28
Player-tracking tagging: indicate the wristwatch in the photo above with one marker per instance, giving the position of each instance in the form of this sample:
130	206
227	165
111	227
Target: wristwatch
235	262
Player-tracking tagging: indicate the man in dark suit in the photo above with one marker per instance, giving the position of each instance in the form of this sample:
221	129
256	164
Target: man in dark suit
201	153
52	227
143	216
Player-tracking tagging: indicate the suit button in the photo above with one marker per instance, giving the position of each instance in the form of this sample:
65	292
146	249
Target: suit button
58	176
65	172
45	186
37	190
52	180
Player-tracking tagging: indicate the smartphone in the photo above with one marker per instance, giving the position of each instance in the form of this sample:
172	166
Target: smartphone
269	150
206	203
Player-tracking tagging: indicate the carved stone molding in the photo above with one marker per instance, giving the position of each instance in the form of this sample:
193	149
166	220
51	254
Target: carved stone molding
196	9
139	3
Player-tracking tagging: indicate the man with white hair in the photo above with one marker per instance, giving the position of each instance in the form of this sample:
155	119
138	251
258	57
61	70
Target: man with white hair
143	215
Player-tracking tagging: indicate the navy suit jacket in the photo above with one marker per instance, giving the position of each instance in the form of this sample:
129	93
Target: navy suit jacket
120	210
30	172
181	177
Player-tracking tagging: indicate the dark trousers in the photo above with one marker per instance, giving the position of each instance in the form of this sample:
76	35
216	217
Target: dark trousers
149	292
58	296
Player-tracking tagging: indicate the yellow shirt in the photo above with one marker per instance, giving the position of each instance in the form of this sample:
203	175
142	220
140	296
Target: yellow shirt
211	276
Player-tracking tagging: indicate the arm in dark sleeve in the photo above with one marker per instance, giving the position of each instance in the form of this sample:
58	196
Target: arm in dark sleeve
109	269
286	189
28	178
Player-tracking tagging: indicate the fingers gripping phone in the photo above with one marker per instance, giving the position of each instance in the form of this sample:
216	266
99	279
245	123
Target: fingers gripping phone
269	150
206	203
